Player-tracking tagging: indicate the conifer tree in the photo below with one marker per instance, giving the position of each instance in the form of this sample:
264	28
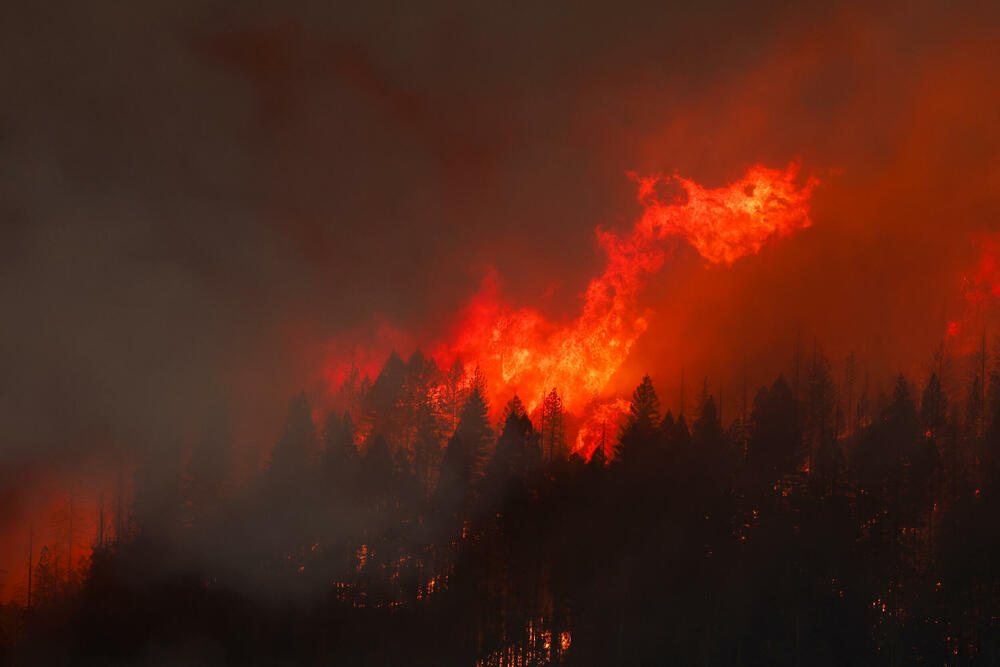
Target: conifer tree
464	456
775	446
48	580
340	453
455	393
818	403
385	401
638	441
553	426
297	443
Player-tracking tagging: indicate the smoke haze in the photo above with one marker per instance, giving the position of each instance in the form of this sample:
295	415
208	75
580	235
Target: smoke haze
195	203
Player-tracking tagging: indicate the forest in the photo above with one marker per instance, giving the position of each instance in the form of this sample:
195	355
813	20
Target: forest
823	525
499	334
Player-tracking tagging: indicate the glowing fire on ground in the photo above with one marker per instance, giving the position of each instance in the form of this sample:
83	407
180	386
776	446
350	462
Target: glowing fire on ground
520	351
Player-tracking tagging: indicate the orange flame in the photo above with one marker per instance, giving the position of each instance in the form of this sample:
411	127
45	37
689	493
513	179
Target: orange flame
521	351
600	429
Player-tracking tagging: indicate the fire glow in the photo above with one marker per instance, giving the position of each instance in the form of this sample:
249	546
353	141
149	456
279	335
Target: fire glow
522	352
980	292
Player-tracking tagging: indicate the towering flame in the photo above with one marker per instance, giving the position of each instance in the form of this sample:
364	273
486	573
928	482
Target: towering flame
521	351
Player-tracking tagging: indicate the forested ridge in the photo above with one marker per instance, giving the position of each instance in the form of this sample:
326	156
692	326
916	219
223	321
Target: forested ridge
823	524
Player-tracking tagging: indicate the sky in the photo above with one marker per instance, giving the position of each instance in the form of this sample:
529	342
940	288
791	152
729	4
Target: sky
197	202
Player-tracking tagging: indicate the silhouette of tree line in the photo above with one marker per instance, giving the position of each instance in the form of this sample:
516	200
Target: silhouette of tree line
823	526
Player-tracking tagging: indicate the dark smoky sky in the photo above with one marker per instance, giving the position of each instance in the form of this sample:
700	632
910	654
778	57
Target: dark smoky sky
195	196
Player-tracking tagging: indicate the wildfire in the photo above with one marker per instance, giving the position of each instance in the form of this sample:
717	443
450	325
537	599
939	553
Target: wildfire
600	427
54	535
521	351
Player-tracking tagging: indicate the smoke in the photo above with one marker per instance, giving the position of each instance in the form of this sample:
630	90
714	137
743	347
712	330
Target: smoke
194	202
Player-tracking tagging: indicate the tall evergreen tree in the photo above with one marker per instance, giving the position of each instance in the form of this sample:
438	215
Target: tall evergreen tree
456	390
430	427
340	454
465	453
385	401
297	442
639	443
775	447
508	469
713	458
48	584
553	426
819	398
